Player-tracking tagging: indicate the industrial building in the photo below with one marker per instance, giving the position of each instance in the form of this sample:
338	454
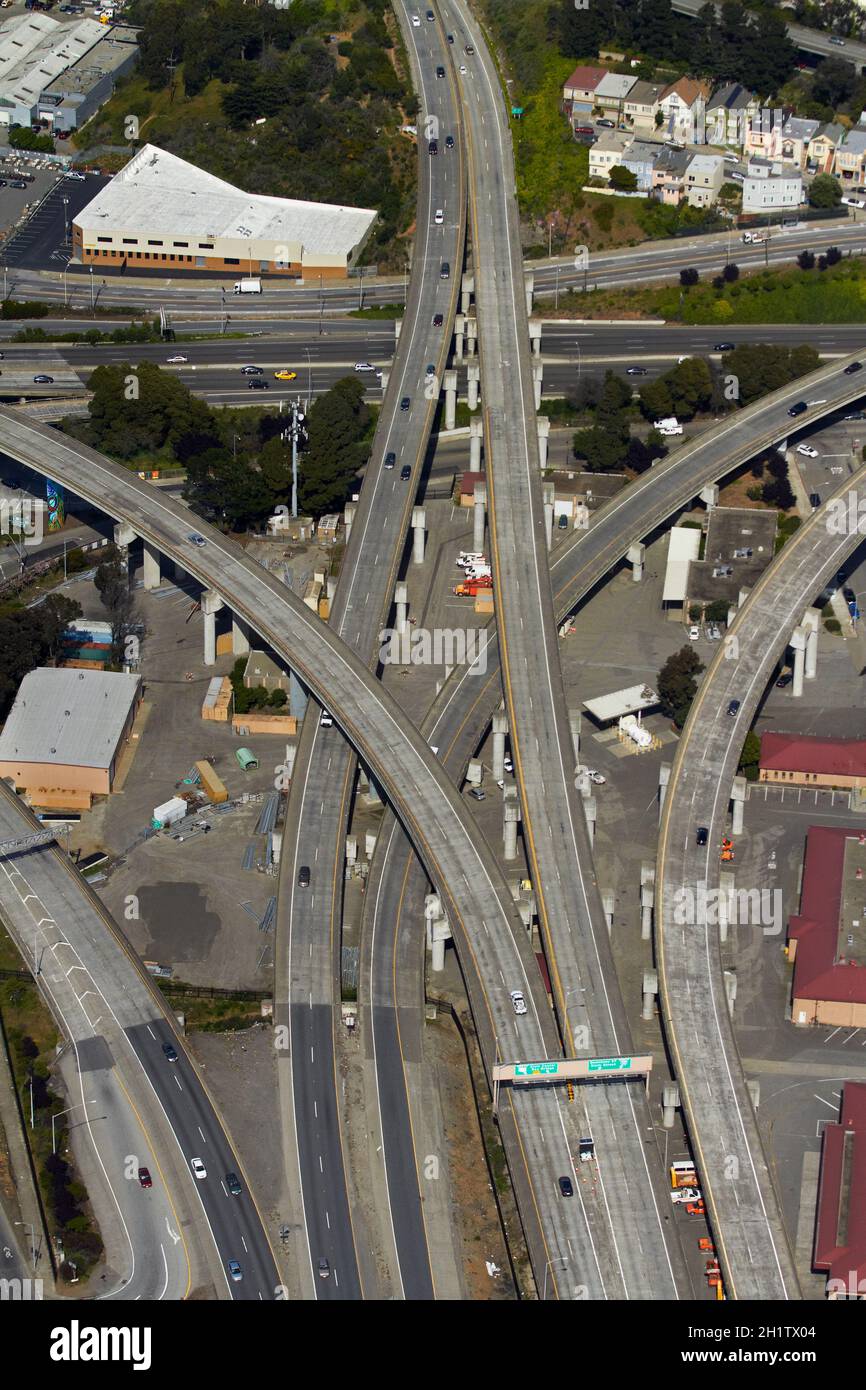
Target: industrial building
60	74
840	1225
740	544
160	211
65	732
806	760
827	938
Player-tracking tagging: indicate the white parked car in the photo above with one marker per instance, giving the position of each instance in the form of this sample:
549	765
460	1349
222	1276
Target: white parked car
439	217
198	1168
518	1003
807	451
364	367
80	178
595	777
507	763
714	633
694	633
416	22
176	360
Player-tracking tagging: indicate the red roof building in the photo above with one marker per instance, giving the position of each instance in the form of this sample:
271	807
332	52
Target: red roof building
840	1226
827	939
467	487
807	761
579	89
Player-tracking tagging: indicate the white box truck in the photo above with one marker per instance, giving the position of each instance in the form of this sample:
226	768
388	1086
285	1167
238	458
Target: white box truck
251	286
669	425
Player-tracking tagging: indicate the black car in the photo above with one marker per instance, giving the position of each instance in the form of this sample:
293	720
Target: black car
785	679
798	408
304	876
565	1187
405	403
405	473
170	1052
450	38
469	49
437	320
449	145
702	836
723	347
43	380
853	367
636	371
849	595
814	500
733	707
440	72
433	147
252	371
445	271
390	460
233	1183
258	385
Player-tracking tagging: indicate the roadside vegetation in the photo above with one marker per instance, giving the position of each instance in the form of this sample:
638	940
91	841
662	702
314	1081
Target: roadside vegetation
303	102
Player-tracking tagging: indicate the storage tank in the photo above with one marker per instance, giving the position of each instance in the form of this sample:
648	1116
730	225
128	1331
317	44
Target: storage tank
636	732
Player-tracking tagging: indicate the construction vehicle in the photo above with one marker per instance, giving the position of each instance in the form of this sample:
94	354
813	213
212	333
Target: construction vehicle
696	1208
705	1243
483	586
727	854
685	1195
683	1174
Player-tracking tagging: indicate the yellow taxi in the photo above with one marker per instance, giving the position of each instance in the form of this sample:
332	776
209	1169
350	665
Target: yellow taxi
285	375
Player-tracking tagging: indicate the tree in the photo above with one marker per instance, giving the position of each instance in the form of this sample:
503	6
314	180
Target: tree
689	277
833	255
825	192
111	582
677	686
717	611
24	139
750	757
778	493
602	451
622	179
337	425
655	399
731	273
834	81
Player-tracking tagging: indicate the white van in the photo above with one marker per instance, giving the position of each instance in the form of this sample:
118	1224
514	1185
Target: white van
669	425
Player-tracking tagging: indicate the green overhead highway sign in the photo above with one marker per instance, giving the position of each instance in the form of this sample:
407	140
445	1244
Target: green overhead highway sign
536	1069
609	1064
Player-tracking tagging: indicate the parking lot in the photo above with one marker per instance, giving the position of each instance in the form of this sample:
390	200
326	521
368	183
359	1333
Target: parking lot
43	241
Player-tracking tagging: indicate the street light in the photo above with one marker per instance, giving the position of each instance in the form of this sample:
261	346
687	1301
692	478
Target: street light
309	379
558	1260
31	1228
56	1116
91	289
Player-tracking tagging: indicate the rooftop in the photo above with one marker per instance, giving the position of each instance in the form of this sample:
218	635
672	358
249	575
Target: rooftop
831	757
35	50
798	128
585	78
68	717
160	193
830	960
840	1225
723	572
645	92
734	97
631	700
688	88
614	86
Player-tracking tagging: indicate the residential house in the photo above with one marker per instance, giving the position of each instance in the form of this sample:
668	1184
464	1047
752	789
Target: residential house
848	165
730	112
642	104
763	132
683	105
669	173
821	154
704	176
640	156
794	139
578	93
610	94
770	186
606	152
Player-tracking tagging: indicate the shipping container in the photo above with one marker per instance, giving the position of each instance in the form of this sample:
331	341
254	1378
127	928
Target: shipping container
168	812
211	784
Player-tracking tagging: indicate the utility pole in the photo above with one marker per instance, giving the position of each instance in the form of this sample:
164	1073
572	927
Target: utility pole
295	431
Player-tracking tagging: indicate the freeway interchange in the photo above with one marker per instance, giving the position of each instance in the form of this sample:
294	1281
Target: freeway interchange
615	1243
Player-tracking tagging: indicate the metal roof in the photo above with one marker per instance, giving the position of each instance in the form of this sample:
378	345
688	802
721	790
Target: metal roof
68	717
33	55
684	546
158	193
631	700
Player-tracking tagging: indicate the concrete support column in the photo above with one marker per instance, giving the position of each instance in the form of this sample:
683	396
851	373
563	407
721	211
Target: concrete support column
298	697
726	889
386	377
211	603
478	518
459	336
574	726
450	382
608	903
529	287
812	624
754	1089
152	574
401	599
419	528
635	559
548	493
476	435
331	588
799	638
471	336
500	729
535	337
289	764
739	791
647	901
473	379
590	810
742	596
710	495
348	518
123	535
670	1103
537	377
398	324
543	423
650	990
512	817
351	849
467	289
664	778
730	989
372	796
240	637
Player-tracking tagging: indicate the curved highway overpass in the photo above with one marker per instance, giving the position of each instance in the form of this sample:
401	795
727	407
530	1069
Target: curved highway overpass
735	1178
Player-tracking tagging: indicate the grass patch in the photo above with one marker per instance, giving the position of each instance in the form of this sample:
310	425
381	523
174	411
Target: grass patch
378	311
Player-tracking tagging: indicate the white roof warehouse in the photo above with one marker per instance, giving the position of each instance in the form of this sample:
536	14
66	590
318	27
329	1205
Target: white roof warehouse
160	211
64	733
